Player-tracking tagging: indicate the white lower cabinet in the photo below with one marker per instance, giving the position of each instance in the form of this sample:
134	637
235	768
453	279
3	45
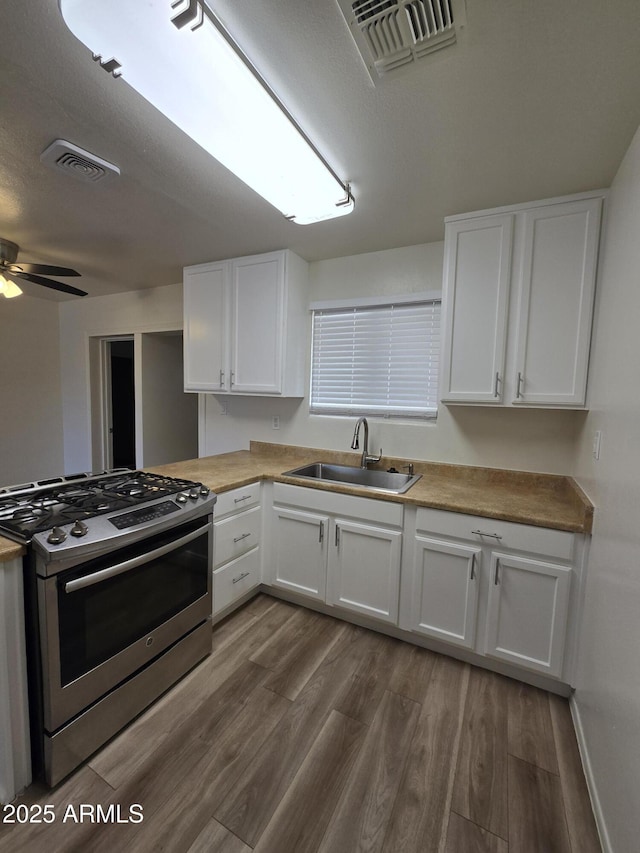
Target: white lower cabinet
237	531
445	583
364	569
342	550
232	580
527	612
299	552
461	586
506	593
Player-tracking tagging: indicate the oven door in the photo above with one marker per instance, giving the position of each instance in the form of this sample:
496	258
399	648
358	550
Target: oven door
103	621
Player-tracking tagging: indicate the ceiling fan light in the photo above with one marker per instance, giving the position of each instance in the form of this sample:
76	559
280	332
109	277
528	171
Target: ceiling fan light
8	288
178	56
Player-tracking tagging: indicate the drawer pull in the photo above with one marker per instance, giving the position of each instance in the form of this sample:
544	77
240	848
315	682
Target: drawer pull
241	577
243	498
473	567
490	535
496	392
240	538
321	533
337	536
496	579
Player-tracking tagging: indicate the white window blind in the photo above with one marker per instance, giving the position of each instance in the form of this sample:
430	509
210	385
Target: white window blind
376	360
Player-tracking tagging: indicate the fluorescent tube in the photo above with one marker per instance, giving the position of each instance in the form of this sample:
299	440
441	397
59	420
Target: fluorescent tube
179	58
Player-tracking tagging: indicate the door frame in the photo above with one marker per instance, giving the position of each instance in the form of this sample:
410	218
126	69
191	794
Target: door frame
97	350
105	395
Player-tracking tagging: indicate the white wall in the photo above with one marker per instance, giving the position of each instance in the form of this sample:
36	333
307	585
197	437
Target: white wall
508	438
30	404
150	310
607	699
169	417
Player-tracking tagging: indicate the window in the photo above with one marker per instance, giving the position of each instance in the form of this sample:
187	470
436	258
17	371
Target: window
374	359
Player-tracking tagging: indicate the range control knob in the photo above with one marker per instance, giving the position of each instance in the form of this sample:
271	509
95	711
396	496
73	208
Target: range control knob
57	536
79	529
194	494
181	498
204	491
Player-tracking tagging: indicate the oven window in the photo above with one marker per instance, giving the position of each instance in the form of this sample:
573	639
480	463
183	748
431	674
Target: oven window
100	620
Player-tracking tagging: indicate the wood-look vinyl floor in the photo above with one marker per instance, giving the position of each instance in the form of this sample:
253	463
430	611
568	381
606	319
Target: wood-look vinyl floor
301	733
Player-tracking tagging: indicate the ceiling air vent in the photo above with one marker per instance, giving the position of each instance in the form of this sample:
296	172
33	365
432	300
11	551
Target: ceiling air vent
391	34
68	158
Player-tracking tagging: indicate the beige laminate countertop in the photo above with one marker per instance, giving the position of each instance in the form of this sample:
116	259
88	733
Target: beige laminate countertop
9	550
544	500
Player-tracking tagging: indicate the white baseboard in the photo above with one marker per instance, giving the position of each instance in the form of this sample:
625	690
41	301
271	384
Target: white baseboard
591	782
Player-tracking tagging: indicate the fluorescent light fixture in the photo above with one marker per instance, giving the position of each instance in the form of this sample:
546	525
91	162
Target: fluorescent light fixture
179	57
8	288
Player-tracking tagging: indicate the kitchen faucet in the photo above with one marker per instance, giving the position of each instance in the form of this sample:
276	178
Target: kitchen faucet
355	444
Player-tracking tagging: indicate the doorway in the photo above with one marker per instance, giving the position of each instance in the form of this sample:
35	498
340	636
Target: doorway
120	403
140	413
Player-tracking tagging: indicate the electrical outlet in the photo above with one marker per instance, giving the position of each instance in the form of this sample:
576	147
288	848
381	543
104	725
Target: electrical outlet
275	422
597	441
224	407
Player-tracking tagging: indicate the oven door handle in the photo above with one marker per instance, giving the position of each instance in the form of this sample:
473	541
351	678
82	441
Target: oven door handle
119	568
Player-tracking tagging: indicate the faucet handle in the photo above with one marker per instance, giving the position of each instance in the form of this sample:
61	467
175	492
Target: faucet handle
409	468
374	459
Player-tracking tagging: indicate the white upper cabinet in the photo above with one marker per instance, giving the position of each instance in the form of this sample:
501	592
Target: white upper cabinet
244	325
519	286
477	276
556	287
206	294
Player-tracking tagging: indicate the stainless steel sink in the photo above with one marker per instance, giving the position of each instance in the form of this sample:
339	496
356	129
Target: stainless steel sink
392	482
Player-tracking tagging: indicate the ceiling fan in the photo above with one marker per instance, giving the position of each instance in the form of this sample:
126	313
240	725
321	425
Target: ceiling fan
11	272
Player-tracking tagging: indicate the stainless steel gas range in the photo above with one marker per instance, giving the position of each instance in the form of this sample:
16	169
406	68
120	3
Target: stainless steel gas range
118	601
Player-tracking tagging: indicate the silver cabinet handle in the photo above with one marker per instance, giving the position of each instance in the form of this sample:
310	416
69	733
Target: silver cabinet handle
321	532
490	535
495	386
233	378
222	378
120	568
337	536
520	382
243	498
240	577
496	578
473	567
240	538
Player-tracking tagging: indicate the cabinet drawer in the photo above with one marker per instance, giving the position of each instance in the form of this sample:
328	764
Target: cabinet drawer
236	578
236	535
497	534
237	499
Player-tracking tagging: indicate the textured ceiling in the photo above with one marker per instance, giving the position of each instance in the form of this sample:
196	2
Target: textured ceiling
536	99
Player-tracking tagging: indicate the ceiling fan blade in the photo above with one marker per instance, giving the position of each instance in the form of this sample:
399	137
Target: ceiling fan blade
54	285
43	269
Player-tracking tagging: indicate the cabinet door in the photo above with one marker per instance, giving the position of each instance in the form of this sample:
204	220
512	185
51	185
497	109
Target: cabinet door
206	323
258	324
556	282
445	591
300	551
476	295
527	614
364	569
